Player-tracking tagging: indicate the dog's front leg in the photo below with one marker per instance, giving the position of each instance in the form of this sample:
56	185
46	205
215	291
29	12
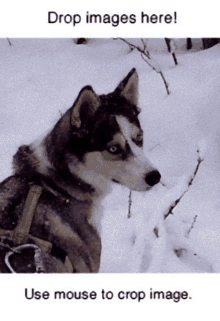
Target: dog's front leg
78	249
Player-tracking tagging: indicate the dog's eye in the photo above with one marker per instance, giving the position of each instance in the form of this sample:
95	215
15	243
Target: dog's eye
114	149
139	140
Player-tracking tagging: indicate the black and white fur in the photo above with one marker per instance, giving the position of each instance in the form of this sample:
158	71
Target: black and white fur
96	143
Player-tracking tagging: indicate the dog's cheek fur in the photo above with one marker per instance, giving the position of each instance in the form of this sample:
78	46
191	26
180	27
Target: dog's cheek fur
91	171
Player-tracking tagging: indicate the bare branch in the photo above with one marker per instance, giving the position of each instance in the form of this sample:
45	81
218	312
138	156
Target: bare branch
131	44
9	41
145	48
171	48
146	57
165	83
192	224
144	44
174	204
129	205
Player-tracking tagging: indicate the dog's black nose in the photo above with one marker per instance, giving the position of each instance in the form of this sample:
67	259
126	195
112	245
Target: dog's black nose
152	178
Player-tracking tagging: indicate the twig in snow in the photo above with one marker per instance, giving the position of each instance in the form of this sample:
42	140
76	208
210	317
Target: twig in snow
129	205
146	57
192	224
174	58
147	53
60	113
9	41
156	232
174	204
171	48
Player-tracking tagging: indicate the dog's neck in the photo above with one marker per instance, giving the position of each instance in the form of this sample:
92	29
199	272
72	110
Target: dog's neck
66	185
71	188
94	197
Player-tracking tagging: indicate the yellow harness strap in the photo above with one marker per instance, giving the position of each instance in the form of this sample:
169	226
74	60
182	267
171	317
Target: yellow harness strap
21	232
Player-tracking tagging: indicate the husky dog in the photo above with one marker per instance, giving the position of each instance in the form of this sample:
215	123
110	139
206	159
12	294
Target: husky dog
96	143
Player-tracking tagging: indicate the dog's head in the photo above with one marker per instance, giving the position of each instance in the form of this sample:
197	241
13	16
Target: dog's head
103	140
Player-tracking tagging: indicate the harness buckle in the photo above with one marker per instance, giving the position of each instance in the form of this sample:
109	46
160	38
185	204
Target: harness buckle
38	259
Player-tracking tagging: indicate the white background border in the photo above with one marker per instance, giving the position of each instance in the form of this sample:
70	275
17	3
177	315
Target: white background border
26	18
29	19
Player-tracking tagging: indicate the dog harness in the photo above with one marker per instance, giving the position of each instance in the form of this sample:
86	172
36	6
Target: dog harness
20	234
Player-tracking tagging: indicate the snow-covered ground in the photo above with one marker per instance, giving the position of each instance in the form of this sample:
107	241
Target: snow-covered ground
41	78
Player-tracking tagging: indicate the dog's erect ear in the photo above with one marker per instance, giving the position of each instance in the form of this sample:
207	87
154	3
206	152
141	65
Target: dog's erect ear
84	107
128	87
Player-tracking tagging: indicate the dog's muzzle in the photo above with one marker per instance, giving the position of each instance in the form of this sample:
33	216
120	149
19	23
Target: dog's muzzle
152	178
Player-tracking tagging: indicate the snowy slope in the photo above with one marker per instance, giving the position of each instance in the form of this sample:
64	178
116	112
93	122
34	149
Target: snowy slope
41	78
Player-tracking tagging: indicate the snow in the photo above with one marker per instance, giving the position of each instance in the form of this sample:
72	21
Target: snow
42	77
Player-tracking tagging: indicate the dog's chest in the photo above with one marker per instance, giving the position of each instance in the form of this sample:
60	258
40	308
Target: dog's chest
96	216
80	212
